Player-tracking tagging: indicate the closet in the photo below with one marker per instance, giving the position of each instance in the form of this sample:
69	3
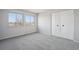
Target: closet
63	24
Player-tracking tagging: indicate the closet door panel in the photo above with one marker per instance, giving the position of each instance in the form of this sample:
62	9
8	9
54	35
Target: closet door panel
53	24
56	24
67	24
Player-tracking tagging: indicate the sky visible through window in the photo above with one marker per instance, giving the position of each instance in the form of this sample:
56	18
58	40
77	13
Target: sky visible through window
32	18
12	17
29	19
19	17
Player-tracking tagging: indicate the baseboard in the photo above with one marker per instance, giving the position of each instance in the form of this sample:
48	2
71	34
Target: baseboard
76	41
17	36
61	37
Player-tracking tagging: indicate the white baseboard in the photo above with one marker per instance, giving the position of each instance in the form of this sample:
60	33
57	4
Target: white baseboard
76	41
1	38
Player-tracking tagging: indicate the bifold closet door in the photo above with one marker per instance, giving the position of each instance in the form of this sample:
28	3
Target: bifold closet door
56	23
67	24
63	24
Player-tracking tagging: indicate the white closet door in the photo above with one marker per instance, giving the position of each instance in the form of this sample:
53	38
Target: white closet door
56	29
63	24
67	24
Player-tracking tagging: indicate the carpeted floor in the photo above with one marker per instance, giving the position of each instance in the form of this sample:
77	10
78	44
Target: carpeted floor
38	41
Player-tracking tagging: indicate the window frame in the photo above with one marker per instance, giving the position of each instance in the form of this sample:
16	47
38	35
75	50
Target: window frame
16	19
30	15
23	19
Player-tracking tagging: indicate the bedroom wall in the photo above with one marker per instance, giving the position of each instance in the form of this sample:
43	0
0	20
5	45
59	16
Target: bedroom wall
6	31
44	23
0	23
76	29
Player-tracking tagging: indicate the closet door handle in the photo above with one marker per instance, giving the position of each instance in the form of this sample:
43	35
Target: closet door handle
57	25
62	25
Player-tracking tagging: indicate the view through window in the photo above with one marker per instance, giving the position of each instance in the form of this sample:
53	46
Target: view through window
29	20
16	19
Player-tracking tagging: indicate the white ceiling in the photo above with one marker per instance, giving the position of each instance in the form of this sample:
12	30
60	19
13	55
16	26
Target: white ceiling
44	10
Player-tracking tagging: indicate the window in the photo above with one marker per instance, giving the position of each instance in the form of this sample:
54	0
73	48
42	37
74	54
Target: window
19	19
32	20
15	19
29	20
12	19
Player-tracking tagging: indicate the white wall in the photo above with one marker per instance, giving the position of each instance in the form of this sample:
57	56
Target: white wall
76	29
45	23
44	20
6	31
0	23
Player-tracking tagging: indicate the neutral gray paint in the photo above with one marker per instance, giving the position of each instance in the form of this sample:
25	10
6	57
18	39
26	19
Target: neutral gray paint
0	24
76	29
38	41
44	20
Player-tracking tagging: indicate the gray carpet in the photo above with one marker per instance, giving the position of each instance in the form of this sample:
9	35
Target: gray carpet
38	41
